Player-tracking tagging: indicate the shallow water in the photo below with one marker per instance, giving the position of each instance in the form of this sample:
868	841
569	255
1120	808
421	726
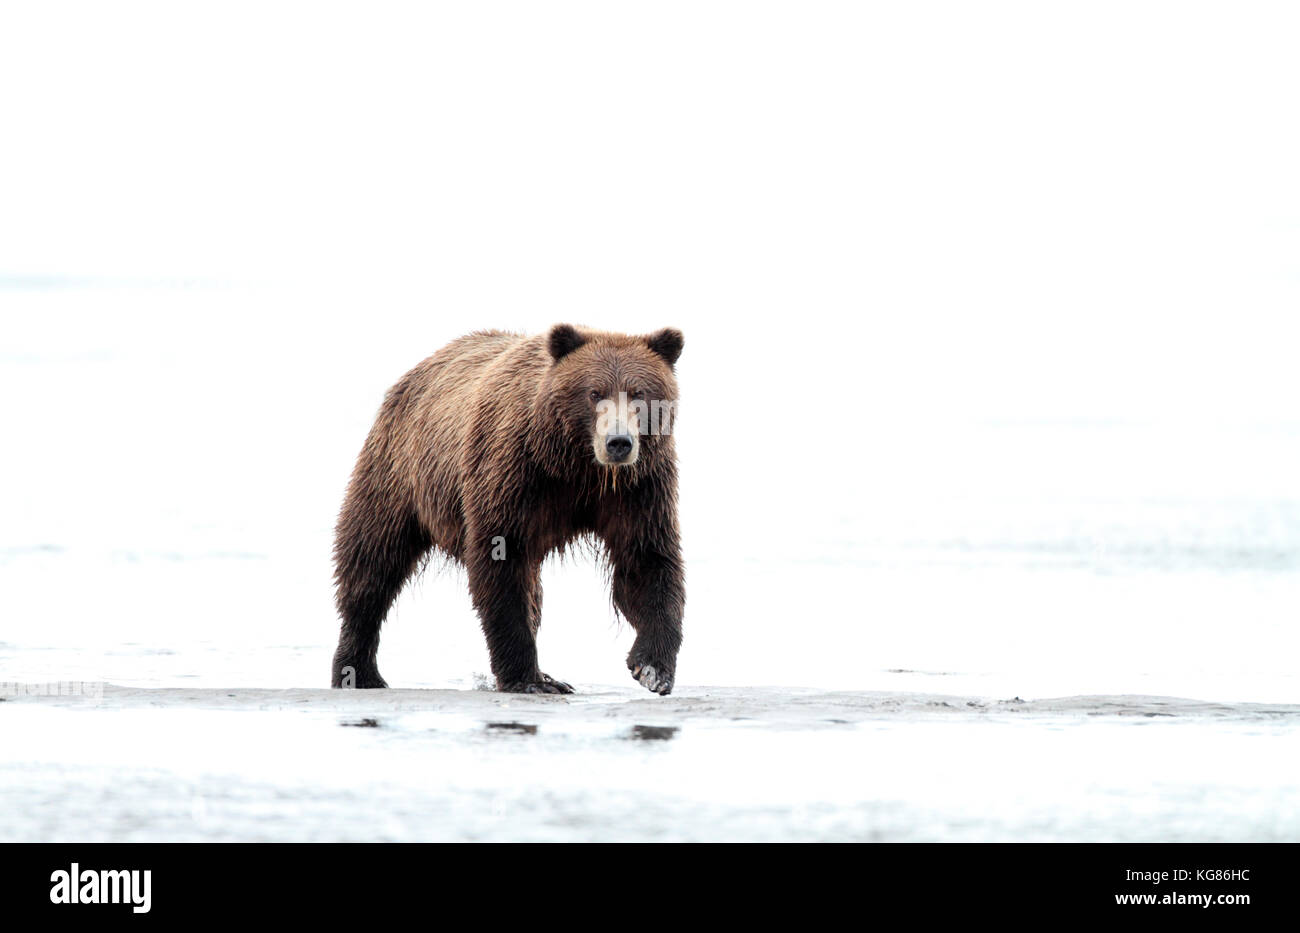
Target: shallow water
738	764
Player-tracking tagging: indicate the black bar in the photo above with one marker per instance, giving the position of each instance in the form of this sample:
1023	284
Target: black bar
351	884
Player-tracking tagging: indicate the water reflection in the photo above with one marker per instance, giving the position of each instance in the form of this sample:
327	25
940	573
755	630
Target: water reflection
652	733
515	728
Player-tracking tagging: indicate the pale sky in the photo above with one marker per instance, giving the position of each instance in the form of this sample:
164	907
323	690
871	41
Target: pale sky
1002	209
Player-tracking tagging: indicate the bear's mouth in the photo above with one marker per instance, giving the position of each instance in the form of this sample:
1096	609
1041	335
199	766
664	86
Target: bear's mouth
609	463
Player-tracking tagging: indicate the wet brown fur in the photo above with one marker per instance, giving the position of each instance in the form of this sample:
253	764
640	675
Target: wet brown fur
491	438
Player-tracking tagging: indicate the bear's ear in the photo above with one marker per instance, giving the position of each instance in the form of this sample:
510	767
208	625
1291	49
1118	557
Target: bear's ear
563	340
667	343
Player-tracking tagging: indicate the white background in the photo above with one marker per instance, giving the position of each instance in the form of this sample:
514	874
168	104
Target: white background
990	316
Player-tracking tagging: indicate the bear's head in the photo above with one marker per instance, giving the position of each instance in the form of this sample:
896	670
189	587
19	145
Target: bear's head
611	397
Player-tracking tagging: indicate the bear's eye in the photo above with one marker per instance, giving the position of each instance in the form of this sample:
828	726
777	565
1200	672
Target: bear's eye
635	393
596	395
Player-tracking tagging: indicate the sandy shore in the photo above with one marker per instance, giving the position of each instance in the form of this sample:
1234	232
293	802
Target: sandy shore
774	706
615	763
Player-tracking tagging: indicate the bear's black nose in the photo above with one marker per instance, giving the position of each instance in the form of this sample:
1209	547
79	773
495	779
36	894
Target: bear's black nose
618	446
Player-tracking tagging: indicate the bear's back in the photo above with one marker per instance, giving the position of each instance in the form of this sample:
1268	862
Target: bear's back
431	413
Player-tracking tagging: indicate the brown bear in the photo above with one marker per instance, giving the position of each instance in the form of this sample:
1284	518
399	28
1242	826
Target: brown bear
498	450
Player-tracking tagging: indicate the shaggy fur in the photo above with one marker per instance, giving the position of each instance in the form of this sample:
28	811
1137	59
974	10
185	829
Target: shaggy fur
489	443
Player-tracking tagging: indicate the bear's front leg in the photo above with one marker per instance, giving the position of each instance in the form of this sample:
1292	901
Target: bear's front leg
507	593
650	592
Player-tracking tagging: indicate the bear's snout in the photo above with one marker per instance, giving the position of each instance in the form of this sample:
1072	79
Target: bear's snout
618	447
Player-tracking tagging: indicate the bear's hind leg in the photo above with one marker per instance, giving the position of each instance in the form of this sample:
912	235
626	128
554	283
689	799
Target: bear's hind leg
375	551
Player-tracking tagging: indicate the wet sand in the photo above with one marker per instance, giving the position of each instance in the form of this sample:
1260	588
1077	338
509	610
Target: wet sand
731	763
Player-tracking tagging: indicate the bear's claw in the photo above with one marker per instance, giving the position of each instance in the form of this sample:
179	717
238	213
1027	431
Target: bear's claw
654	680
544	683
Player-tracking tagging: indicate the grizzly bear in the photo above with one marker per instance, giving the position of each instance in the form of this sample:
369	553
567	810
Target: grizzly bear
498	450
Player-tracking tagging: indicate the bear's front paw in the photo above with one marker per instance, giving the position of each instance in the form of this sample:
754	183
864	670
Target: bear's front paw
538	683
655	675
